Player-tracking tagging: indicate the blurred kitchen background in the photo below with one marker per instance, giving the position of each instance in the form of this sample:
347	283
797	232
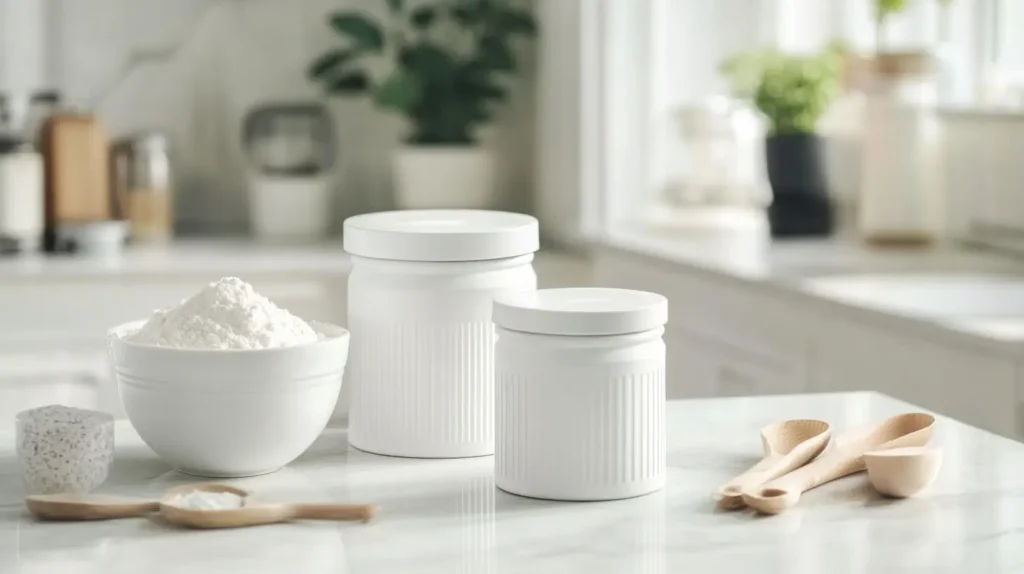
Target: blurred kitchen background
194	70
222	89
723	152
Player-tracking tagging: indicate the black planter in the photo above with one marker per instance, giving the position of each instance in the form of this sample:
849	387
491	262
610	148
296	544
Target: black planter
796	170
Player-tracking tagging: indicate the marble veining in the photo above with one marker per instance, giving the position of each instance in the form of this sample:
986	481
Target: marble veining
445	516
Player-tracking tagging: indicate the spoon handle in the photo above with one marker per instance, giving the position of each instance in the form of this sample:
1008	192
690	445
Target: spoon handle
362	512
730	493
46	511
756	474
825	469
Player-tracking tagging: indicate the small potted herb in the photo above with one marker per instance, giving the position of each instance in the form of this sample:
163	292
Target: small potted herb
450	61
793	93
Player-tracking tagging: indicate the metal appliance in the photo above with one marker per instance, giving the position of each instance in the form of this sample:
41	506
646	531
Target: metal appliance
291	149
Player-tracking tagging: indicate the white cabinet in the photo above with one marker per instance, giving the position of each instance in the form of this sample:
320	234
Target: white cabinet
728	336
53	330
724	337
699	366
88	307
53	325
957	381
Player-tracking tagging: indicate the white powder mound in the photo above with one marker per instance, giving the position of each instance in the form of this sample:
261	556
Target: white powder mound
226	314
200	500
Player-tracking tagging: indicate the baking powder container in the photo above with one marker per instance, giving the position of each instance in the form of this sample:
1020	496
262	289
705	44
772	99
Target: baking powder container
580	393
421	364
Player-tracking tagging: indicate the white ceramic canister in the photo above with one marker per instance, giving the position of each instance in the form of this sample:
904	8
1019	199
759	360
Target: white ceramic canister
21	195
421	365
580	393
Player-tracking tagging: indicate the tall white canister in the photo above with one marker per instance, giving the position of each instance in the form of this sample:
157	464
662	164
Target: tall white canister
421	362
580	393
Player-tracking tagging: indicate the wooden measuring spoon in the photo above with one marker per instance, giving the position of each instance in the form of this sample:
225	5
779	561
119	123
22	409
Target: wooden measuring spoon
847	457
254	512
87	506
903	472
788	445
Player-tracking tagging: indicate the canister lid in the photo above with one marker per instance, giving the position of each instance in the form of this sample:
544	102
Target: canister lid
581	311
441	235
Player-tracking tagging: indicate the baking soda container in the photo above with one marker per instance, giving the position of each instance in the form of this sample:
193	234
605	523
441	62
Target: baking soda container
419	307
580	393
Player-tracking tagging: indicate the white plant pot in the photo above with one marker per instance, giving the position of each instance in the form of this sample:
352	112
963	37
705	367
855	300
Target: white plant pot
444	177
289	208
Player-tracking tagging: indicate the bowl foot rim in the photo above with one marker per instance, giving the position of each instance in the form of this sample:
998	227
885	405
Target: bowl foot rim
199	473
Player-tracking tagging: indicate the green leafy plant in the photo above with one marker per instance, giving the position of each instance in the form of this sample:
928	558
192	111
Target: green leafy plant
794	91
449	60
743	72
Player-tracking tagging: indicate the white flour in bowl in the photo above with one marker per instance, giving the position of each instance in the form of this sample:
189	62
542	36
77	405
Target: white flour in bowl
226	314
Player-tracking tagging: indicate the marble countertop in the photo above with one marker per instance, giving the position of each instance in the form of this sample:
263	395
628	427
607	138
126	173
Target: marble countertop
966	294
752	256
445	516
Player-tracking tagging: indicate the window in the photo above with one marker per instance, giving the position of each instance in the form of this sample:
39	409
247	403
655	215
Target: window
1007	19
647	57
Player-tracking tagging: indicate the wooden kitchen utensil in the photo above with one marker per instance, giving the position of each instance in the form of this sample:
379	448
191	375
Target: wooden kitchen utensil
903	472
101	507
76	172
846	457
788	445
254	513
87	506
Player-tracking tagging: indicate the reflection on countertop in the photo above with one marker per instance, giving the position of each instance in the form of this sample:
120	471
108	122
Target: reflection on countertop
444	516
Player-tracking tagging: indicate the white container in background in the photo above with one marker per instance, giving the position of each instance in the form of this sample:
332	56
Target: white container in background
900	199
21	197
580	393
419	308
289	208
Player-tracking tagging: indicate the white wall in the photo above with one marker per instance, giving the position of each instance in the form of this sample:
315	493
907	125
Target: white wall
231	55
22	47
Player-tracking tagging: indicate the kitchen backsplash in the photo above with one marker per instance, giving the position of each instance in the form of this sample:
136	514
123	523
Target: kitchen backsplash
226	56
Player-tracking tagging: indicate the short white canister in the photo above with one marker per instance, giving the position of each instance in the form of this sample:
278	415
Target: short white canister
421	362
580	393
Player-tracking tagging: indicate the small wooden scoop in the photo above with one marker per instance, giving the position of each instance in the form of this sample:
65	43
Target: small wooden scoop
87	506
903	472
254	513
788	445
911	429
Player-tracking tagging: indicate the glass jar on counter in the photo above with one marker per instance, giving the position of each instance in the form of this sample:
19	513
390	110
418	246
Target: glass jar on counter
143	194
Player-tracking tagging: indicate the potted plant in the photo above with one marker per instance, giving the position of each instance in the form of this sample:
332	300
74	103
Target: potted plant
793	93
449	60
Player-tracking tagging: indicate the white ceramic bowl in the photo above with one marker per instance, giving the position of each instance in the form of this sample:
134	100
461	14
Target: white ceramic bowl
229	413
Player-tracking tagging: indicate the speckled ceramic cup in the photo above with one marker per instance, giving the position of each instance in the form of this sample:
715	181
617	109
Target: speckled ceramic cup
64	449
